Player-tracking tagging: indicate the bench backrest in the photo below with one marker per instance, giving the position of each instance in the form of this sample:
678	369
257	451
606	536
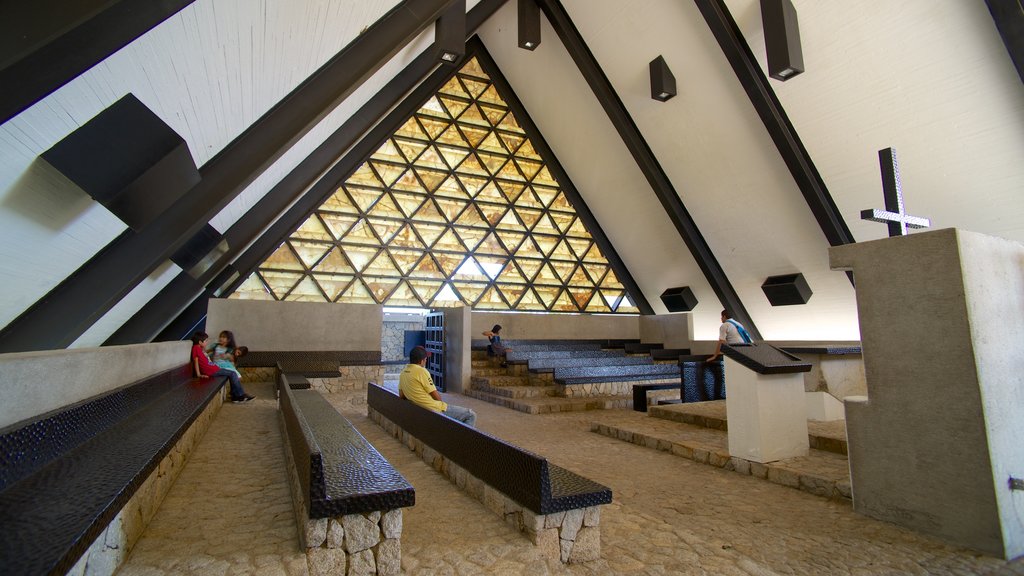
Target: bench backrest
523	476
339	471
26	447
520	474
308	361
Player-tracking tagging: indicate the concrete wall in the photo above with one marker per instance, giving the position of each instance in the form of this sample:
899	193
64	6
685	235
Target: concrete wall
284	326
520	326
935	441
458	334
672	330
34	383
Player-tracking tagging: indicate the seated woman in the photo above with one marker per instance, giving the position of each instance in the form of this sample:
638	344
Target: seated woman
496	349
203	368
225	352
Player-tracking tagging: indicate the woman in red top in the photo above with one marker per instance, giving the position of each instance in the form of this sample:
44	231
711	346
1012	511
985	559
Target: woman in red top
203	368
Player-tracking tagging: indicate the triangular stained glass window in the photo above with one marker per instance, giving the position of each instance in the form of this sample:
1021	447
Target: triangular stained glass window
456	206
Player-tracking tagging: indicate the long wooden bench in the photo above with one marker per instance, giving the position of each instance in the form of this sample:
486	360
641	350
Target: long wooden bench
339	479
557	509
67	475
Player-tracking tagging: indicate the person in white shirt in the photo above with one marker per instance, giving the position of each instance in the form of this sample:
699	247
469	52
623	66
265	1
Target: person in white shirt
730	332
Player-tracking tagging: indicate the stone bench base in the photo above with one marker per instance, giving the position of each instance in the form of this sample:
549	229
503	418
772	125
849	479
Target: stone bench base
571	536
365	543
111	548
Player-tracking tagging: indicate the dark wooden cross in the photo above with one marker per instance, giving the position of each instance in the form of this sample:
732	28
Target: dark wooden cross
894	214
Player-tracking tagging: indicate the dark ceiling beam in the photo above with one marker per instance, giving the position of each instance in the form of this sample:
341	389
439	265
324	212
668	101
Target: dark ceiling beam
776	122
1009	18
646	161
562	177
150	321
44	44
67	311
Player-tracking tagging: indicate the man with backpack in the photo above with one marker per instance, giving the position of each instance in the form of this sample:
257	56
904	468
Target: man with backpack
730	332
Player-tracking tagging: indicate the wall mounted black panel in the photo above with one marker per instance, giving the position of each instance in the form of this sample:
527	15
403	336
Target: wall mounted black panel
1009	18
127	159
529	24
782	39
787	290
450	34
663	82
679	299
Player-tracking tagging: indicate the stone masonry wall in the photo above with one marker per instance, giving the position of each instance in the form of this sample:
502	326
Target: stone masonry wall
392	345
112	546
349	378
572	536
351	544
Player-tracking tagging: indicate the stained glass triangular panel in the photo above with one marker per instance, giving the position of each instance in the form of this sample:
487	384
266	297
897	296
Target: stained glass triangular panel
512	292
429	232
380	287
309	252
364	176
359	256
490	245
472	68
425	289
510	239
409	183
474	136
429	213
454	88
493	144
545	194
473	116
361	233
433	107
509	123
579	246
283	259
431	178
512	141
452	156
561	203
491	95
491	300
411	129
564	304
431	159
493	114
358	294
306	291
445	295
545	226
408	203
529	266
472	184
433	128
596	272
529	168
406	238
406	260
490	193
427	268
528	216
581	296
312	229
449	241
562	252
452	189
472	217
403	295
449	263
510	172
340	202
335	263
511	274
385	229
597	306
386	207
474	87
472	166
547	276
411	149
387	173
491	162
563	269
528	249
493	213
470	292
333	284
454	107
530	301
547	294
594	255
280	283
546	243
545	177
580	278
450	208
363	197
471	236
511	223
253	289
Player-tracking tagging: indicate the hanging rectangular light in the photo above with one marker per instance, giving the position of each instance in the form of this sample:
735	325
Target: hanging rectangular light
529	24
663	83
781	39
450	34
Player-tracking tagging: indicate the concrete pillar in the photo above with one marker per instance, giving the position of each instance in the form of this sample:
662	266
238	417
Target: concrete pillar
935	443
767	415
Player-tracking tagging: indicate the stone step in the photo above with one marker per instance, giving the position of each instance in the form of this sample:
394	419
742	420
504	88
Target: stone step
516	391
820	473
490	372
550	405
500	380
826	436
480	363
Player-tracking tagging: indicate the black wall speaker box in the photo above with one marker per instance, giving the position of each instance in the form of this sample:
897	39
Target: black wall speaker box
787	290
127	159
679	299
201	251
529	24
663	83
781	39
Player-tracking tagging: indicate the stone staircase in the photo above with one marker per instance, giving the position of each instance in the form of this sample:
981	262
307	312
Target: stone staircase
529	394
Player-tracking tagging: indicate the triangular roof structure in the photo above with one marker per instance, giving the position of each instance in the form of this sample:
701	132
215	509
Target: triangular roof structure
737	179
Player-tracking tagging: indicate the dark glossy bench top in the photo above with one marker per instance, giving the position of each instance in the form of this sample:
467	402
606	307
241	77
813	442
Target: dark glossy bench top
50	517
765	359
342	472
517	357
835	349
669	353
556	344
523	476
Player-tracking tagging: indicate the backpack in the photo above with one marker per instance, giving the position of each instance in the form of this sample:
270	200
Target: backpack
743	331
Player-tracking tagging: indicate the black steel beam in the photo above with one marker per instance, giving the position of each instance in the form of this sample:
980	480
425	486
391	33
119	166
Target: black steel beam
570	190
775	120
67	311
45	44
159	311
1009	19
646	161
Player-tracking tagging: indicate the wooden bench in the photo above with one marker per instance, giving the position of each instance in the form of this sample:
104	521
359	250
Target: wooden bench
338	478
66	476
557	509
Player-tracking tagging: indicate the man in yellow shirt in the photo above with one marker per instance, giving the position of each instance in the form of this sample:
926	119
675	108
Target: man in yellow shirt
416	385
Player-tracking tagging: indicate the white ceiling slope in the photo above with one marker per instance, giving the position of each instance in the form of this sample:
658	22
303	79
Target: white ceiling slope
930	78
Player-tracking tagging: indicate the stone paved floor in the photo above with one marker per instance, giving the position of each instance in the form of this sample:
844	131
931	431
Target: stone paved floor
229	514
